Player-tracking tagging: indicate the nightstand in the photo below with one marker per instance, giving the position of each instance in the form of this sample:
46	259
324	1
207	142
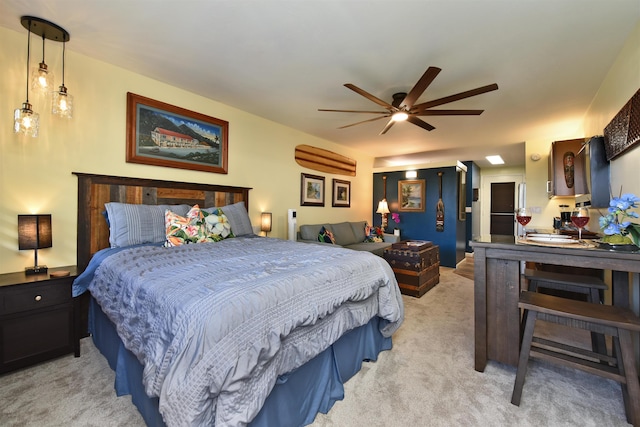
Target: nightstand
36	318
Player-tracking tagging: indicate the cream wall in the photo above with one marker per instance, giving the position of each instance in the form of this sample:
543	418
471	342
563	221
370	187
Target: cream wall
36	174
622	81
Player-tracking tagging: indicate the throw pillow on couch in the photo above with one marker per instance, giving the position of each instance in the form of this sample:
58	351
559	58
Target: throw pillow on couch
326	236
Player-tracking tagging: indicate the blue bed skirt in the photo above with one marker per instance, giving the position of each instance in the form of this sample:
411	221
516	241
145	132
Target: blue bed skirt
297	396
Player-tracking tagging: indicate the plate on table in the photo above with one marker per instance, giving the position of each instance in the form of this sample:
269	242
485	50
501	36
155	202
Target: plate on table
548	236
557	240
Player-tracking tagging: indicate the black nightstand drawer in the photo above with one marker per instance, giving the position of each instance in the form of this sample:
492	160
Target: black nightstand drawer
34	296
47	332
37	315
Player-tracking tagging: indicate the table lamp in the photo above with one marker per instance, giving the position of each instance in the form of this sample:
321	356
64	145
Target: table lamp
34	232
265	224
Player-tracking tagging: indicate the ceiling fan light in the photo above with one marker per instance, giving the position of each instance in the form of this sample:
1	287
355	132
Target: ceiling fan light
400	116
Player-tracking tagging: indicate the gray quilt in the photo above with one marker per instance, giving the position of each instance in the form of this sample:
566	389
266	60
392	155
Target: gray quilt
214	324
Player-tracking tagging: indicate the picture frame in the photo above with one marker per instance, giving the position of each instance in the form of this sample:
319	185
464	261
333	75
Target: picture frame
311	190
161	134
341	194
411	195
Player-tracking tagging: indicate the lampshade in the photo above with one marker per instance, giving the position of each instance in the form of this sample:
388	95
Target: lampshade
26	121
34	232
265	223
383	207
62	103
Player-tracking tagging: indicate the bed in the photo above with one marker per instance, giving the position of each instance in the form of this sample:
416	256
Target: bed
244	331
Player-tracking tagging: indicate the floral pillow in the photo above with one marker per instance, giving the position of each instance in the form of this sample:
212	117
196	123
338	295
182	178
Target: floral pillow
326	236
217	225
195	227
374	234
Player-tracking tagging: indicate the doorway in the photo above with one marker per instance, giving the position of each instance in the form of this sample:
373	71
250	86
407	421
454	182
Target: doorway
502	216
484	201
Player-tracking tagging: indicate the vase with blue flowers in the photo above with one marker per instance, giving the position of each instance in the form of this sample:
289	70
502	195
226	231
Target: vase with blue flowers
619	232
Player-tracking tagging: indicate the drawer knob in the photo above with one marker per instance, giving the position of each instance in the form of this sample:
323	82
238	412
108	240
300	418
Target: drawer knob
38	297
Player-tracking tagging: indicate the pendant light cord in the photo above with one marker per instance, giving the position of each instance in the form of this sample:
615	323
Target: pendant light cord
28	58
43	48
64	45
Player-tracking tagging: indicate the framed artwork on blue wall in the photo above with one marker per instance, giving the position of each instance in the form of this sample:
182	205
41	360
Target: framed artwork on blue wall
411	195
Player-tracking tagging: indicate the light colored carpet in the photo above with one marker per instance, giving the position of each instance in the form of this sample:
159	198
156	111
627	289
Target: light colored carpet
465	267
426	380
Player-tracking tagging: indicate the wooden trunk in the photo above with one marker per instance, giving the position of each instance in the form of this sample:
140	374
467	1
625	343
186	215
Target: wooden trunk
406	259
417	283
416	271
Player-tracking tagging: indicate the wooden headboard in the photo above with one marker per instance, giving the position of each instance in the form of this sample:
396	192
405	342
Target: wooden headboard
96	190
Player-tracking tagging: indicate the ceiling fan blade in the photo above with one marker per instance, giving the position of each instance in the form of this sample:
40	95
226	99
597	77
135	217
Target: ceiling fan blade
456	97
354	111
370	97
416	121
388	126
420	87
449	113
364	121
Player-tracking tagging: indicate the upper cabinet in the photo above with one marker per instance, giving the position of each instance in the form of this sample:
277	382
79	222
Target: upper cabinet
566	170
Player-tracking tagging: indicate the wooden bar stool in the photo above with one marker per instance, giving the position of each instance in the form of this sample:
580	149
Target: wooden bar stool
610	320
589	286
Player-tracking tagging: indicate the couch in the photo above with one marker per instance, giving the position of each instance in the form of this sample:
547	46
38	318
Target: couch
350	235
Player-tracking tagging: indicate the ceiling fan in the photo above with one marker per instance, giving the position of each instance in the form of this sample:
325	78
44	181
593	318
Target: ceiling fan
402	107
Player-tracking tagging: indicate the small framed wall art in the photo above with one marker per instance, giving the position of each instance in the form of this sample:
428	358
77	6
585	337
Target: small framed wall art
341	194
311	190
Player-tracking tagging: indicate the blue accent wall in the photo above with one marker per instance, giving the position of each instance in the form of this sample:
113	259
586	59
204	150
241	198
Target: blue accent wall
422	225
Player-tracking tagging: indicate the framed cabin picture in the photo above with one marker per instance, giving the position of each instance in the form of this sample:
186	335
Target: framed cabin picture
161	134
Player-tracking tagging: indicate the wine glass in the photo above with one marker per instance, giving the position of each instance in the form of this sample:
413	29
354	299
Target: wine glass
580	218
523	216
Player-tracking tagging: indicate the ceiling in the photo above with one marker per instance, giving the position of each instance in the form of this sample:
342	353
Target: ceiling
283	60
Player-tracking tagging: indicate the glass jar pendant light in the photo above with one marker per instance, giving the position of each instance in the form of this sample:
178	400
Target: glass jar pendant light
42	77
62	105
25	120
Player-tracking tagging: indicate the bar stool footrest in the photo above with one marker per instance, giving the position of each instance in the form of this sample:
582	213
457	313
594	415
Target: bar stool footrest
573	361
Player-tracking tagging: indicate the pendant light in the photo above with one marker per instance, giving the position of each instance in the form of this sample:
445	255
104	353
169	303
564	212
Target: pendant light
62	102
25	120
42	77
